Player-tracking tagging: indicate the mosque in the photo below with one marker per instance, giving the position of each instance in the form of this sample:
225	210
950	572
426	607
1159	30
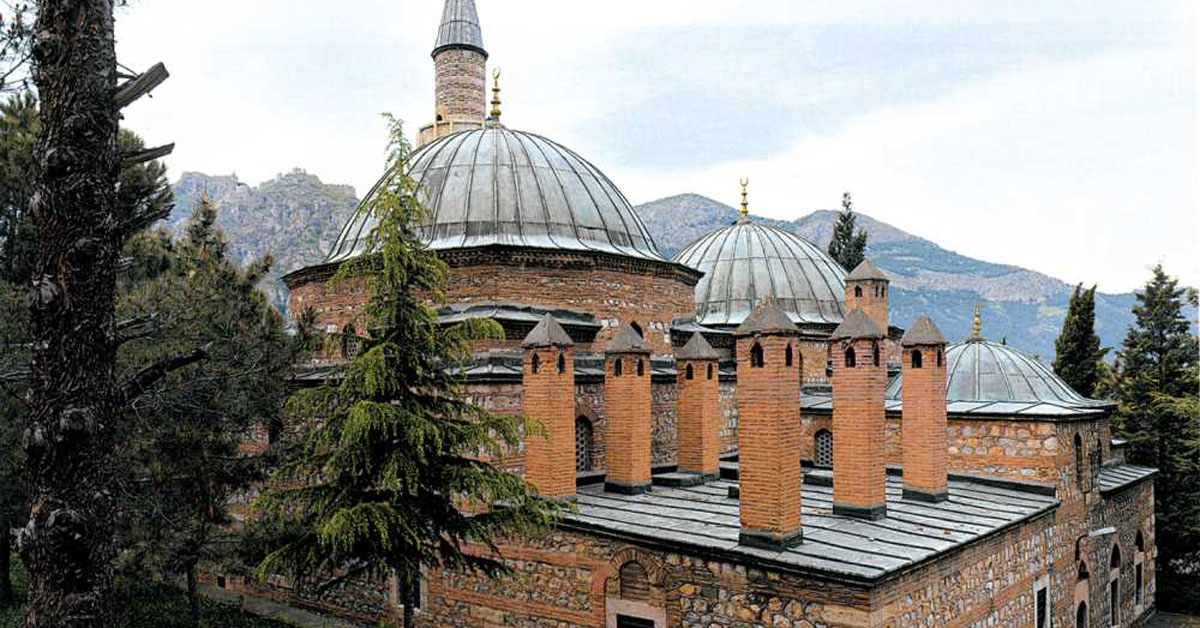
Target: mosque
747	438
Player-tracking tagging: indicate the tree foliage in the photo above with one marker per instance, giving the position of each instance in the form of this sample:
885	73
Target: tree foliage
1156	385
183	456
1078	353
393	472
848	247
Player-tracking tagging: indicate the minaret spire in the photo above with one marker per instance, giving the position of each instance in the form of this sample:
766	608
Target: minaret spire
460	73
495	114
460	28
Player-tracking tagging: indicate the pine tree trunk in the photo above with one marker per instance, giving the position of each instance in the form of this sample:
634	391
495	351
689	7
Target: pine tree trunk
68	543
193	594
7	597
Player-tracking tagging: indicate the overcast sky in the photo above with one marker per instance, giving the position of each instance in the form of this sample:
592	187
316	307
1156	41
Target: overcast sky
1056	135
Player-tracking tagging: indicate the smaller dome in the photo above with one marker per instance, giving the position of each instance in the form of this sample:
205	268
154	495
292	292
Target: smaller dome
747	262
988	372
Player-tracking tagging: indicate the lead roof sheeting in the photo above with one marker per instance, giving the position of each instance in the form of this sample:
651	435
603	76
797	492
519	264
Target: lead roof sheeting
705	518
745	262
459	26
1118	476
498	186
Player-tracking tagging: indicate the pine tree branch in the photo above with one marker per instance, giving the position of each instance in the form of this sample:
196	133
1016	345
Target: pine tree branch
129	160
151	374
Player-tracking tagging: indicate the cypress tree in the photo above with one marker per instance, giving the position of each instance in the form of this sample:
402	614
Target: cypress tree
393	473
1077	350
1159	414
847	246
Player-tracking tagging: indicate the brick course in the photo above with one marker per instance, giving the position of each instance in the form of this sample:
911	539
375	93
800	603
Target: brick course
768	400
698	416
858	430
627	429
549	399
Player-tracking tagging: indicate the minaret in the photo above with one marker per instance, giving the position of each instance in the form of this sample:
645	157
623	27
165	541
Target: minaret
460	73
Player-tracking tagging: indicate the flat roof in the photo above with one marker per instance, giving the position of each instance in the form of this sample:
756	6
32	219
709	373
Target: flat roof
703	519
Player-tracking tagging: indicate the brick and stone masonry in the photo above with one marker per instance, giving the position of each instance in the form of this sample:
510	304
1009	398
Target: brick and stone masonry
859	456
768	399
627	404
866	289
549	398
923	428
698	415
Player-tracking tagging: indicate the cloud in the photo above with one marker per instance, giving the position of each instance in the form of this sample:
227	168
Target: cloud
1054	135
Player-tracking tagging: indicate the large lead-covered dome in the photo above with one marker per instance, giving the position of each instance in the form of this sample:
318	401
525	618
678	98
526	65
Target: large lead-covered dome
496	186
989	378
745	262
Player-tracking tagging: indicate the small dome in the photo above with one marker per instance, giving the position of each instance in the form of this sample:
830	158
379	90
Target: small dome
496	186
745	262
982	371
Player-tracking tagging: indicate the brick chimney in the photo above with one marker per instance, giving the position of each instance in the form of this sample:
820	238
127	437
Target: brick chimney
627	413
859	377
867	288
698	409
549	398
768	401
924	420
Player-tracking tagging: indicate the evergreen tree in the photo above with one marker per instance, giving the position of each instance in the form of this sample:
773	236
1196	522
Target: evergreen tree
848	247
14	365
184	453
1158	413
1077	350
393	473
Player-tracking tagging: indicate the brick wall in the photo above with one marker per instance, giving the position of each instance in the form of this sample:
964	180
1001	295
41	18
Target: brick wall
627	410
768	400
698	416
923	439
610	288
460	85
548	398
858	430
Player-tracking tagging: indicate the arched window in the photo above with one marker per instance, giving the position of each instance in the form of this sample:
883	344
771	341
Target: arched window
823	448
562	363
858	291
583	444
635	584
875	353
710	371
638	329
787	355
756	356
939	358
1081	616
1139	583
641	367
851	362
1082	574
536	364
688	373
1114	586
617	367
1079	461
916	359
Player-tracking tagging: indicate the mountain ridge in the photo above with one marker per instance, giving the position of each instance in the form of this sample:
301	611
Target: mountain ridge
296	218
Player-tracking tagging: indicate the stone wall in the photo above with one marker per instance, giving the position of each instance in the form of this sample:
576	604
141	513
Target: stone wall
615	290
570	579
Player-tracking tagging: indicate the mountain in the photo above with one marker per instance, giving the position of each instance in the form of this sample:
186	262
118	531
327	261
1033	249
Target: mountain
1021	306
294	217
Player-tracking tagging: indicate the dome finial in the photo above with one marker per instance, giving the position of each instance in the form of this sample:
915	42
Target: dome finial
744	212
975	324
495	114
